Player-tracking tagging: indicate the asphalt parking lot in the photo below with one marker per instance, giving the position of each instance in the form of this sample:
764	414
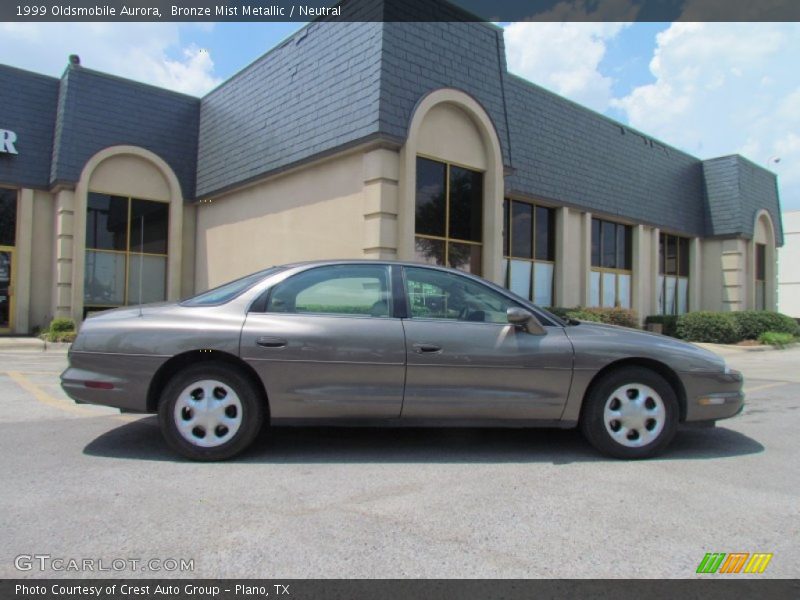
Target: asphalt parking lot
81	482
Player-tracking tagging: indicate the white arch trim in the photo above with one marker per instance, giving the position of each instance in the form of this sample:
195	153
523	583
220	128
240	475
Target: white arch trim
771	284
174	243
493	177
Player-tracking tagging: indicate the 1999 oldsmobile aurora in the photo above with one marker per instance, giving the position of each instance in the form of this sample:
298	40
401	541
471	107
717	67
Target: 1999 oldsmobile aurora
398	344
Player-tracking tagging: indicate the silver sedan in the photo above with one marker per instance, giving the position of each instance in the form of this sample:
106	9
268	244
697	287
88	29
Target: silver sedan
388	344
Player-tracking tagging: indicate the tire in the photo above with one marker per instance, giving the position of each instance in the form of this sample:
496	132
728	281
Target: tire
210	411
631	413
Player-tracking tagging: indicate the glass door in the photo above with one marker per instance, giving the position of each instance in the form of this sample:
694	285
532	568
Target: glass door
6	289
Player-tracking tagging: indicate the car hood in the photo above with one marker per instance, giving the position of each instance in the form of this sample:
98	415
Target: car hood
617	342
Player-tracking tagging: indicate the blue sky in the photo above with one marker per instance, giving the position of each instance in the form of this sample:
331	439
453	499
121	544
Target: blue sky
707	88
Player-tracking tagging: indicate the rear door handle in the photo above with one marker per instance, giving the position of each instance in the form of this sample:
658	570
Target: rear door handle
271	342
427	348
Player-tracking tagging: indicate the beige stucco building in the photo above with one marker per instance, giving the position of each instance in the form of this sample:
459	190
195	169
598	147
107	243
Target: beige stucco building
113	192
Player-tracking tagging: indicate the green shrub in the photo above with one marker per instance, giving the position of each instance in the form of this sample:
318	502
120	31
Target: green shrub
61	325
582	314
612	316
669	323
61	329
778	339
624	317
754	323
713	327
67	336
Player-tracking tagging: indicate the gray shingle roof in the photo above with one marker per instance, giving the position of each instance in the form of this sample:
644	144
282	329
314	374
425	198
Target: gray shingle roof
317	91
96	110
565	152
736	190
333	84
28	108
421	57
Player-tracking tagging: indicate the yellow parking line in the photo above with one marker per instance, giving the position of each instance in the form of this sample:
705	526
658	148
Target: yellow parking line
765	386
42	396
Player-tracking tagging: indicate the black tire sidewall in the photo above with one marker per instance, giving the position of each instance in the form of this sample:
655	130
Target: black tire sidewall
252	411
593	425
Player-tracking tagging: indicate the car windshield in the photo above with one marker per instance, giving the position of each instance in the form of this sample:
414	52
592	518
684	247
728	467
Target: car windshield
228	291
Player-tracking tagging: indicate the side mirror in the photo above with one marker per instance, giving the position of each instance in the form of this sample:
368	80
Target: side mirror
525	320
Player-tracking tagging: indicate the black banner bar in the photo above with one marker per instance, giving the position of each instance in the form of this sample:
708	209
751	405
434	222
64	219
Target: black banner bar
399	10
395	589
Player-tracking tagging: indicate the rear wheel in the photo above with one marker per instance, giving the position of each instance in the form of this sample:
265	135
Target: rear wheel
631	412
210	411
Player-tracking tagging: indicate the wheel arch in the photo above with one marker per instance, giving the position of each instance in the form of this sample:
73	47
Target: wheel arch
661	368
181	361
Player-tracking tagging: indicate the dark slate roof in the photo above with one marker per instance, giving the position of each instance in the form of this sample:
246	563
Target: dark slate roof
335	84
568	153
96	110
28	108
736	190
421	57
314	93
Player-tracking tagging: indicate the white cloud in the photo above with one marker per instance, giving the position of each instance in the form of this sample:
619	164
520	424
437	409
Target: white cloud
723	88
140	51
563	57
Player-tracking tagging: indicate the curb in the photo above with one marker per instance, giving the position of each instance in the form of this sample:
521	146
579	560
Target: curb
735	348
31	344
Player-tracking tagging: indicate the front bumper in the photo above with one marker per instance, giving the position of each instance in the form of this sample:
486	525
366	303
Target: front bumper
713	396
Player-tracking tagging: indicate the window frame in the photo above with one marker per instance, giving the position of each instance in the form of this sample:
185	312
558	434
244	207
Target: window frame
447	240
678	275
128	253
616	271
760	268
508	243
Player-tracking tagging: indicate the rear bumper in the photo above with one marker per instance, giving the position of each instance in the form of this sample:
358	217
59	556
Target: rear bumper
713	396
115	380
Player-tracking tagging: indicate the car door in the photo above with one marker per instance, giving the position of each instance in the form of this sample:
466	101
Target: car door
465	361
328	345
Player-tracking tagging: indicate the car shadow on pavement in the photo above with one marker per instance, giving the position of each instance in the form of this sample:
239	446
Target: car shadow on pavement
141	439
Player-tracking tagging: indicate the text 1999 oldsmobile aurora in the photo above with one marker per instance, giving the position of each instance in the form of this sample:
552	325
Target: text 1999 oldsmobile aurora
374	343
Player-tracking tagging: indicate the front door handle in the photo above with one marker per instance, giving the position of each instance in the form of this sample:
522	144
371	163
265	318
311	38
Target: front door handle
271	342
427	348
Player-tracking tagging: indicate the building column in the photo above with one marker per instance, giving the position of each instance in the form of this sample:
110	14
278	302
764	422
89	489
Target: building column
381	185
64	222
695	274
561	287
734	275
585	262
640	279
654	271
23	254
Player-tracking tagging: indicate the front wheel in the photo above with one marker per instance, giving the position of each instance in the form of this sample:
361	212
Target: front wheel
631	412
210	412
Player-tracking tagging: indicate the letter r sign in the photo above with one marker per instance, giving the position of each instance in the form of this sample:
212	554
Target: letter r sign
7	140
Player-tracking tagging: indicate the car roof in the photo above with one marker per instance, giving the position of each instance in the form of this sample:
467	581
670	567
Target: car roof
365	261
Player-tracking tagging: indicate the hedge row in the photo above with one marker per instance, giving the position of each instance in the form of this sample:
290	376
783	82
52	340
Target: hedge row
732	327
700	326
